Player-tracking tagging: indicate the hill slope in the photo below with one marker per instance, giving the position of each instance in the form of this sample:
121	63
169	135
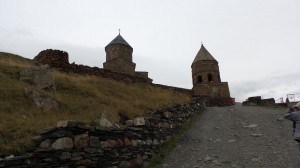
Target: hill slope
80	98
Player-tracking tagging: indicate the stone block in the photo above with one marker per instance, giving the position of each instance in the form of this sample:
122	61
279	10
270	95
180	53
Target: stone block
45	144
112	143
129	123
65	156
149	142
127	142
65	123
81	141
103	145
167	114
94	141
139	121
63	143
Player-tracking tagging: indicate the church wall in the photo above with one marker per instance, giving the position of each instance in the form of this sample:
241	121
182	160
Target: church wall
118	50
120	65
214	90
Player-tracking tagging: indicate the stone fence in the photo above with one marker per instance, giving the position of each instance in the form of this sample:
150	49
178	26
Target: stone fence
76	144
60	60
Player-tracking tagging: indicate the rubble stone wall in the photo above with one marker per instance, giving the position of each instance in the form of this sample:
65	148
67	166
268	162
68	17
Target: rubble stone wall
76	144
60	60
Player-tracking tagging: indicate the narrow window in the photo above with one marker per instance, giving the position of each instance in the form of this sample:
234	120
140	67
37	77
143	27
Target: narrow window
210	77
199	79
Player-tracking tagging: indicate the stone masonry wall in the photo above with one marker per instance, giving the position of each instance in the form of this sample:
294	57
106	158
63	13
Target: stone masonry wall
75	144
60	60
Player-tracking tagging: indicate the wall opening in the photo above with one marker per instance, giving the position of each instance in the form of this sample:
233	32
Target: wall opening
199	79
210	77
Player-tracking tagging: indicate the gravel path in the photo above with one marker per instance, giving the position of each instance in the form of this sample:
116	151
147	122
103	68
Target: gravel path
237	136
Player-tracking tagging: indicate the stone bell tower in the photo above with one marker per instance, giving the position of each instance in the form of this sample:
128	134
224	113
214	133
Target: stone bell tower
119	56
206	76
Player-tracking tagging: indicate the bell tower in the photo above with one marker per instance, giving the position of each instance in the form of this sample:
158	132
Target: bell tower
206	76
119	56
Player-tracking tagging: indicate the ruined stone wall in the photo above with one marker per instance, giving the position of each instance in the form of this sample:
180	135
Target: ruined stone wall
54	58
75	144
60	60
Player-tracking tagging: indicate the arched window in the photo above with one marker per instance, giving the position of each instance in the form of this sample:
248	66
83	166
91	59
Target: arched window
210	77
199	79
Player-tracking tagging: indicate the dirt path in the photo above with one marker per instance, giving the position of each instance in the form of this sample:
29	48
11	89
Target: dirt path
237	136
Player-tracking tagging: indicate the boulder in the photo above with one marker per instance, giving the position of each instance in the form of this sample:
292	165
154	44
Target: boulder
63	143
39	76
81	141
45	103
138	121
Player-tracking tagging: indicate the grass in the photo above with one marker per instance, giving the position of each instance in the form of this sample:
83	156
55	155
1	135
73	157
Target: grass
80	97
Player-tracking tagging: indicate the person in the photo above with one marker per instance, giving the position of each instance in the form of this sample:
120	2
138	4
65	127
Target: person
287	101
293	114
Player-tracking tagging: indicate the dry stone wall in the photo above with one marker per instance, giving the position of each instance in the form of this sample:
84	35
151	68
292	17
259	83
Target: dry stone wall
60	60
75	144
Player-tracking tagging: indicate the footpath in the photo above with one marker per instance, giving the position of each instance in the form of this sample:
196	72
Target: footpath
237	136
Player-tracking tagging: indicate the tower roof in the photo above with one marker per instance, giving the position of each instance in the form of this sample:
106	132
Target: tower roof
119	40
203	55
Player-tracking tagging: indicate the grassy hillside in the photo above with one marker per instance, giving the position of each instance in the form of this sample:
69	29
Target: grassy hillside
81	98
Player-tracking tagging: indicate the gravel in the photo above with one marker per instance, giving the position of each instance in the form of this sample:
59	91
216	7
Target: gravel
237	136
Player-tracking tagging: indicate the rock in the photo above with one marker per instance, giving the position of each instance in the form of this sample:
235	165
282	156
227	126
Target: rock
279	119
127	142
129	123
104	145
65	123
94	141
45	144
251	126
231	140
39	76
112	143
167	114
256	135
138	121
106	120
45	103
63	143
81	141
149	142
10	157
207	158
65	156
155	142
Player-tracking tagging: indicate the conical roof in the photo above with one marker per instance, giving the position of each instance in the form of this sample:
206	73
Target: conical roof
203	55
118	40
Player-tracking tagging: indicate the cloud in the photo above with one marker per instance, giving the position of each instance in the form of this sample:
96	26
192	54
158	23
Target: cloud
273	86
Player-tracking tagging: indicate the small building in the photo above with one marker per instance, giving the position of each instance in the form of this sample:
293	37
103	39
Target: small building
119	58
206	76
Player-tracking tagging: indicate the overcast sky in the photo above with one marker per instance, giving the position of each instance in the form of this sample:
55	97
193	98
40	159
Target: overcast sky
256	42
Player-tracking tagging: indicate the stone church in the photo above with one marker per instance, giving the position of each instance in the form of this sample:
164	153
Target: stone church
206	76
119	58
